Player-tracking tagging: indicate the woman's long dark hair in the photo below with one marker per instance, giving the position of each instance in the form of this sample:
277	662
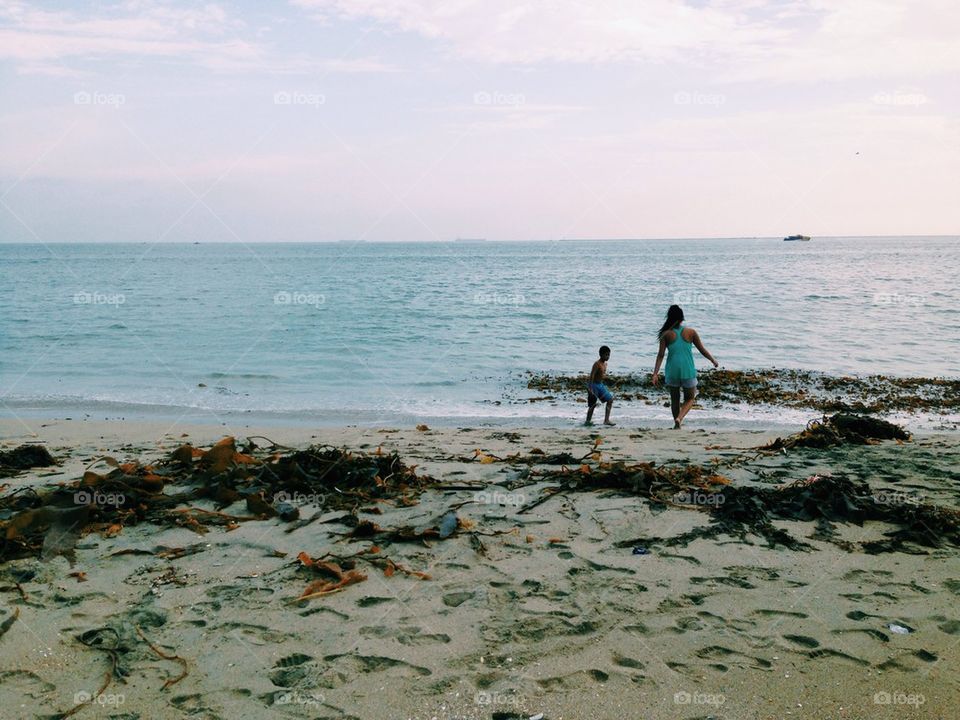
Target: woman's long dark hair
674	318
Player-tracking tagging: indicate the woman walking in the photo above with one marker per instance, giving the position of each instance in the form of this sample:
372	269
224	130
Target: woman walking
680	372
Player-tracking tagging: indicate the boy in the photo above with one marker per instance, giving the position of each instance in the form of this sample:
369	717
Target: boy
596	389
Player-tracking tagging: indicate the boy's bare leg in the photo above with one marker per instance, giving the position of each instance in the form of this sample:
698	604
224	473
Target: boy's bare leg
689	395
590	414
675	405
606	416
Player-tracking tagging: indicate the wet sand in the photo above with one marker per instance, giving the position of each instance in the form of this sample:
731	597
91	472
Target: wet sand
548	616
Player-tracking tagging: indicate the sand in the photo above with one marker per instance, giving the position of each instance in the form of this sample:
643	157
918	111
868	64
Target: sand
550	616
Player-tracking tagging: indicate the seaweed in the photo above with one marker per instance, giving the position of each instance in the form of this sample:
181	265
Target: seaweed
24	457
828	500
48	522
840	429
779	387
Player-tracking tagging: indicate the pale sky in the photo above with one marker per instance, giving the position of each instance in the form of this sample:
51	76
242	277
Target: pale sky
318	120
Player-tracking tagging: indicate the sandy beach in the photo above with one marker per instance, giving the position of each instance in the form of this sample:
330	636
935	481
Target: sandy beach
576	607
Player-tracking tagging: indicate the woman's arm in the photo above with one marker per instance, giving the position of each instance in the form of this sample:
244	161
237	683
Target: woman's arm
703	351
656	368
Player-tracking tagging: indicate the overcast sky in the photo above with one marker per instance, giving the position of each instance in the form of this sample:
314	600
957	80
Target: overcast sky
506	119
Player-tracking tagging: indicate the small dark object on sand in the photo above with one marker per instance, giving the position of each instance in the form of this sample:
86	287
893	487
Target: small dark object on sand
24	457
840	429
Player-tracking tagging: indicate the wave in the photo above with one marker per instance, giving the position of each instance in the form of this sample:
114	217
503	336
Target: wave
245	376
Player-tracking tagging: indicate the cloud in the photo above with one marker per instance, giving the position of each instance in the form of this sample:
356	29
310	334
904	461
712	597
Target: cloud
59	42
507	31
740	40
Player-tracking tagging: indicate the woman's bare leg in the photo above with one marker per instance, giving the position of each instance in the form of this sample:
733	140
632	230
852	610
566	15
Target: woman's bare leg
689	395
675	405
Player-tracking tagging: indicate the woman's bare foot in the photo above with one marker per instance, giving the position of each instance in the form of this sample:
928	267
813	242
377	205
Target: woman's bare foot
676	424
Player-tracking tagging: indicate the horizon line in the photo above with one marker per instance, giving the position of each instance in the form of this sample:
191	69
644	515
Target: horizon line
461	241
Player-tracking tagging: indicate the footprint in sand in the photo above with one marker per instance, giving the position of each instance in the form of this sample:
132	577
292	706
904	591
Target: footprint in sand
950	627
581	680
779	613
718	652
411	636
255	634
193	705
628	662
636	629
24	683
875	634
802	640
685	601
896	664
836	655
724	580
375	664
456	599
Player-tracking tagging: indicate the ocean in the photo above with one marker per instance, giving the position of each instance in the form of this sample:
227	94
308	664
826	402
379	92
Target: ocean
393	333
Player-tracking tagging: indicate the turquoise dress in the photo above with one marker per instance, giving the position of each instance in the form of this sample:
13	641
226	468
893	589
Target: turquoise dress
680	366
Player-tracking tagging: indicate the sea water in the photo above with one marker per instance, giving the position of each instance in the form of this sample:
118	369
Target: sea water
390	333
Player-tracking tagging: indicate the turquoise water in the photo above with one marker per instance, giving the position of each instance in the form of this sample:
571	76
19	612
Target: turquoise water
388	333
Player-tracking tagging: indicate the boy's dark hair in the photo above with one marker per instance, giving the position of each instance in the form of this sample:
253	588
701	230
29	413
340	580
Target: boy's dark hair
604	349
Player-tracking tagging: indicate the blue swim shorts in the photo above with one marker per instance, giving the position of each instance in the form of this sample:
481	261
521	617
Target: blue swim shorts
598	390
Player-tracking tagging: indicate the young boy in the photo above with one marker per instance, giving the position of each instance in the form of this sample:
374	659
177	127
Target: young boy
596	389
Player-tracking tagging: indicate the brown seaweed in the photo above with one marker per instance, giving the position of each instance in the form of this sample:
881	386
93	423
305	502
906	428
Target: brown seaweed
780	387
24	457
840	429
48	522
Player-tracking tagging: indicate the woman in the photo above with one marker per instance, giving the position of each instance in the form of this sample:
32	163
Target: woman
680	372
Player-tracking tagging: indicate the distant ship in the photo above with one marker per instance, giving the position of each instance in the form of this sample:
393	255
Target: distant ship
790	238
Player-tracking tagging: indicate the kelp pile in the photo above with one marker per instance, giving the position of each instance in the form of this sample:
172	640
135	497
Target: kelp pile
49	522
748	510
740	511
194	487
24	457
829	500
840	429
781	387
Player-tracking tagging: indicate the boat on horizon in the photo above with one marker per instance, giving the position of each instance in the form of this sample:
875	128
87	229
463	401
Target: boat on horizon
791	238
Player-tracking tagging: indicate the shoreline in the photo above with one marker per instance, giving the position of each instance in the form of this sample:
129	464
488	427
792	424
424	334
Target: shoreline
727	400
547	615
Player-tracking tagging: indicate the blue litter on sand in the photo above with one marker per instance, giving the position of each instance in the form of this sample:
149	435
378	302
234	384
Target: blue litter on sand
638	550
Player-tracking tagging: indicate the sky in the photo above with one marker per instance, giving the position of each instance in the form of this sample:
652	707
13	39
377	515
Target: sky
400	120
